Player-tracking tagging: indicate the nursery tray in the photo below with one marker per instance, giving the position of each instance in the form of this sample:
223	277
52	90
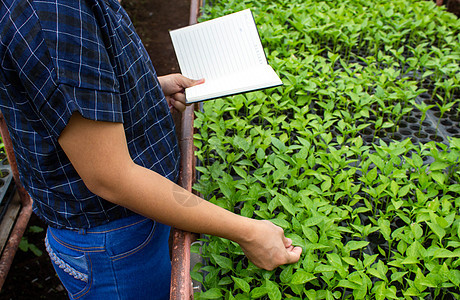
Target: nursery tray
5	176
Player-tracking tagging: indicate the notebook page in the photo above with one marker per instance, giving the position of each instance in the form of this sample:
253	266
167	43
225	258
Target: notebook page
259	77
225	45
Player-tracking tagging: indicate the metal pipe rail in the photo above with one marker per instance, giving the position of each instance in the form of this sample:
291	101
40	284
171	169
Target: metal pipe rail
22	199
181	283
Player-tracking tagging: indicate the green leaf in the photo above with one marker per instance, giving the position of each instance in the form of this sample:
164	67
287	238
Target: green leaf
396	276
371	175
361	292
390	293
439	177
444	253
455	277
411	292
410	260
24	244
335	260
385	229
438	230
35	250
35	229
226	280
301	277
379	290
326	185
273	291
355	245
213	293
241	143
260	154
258	292
438	165
312	221
404	190
442	222
223	262
286	274
197	276
296	240
225	189
309	261
321	268
279	144
377	161
310	234
241	284
281	223
394	187
454	188
286	202
418	161
242	173
369	260
350	260
348	284
416	230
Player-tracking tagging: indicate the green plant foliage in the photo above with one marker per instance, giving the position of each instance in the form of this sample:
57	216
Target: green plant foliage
377	218
25	245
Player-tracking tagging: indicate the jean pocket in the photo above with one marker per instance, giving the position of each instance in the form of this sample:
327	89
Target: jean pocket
70	265
128	240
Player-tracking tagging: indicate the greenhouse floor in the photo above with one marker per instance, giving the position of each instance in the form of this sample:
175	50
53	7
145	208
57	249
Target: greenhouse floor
31	276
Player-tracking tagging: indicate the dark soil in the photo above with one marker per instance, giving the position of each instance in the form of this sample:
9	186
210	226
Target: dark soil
32	277
453	6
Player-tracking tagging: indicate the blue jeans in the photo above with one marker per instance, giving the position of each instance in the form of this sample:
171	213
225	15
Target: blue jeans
124	259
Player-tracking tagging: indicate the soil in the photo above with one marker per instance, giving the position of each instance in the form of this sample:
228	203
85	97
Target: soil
453	6
33	277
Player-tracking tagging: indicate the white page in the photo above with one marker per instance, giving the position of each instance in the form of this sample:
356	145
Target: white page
259	77
217	48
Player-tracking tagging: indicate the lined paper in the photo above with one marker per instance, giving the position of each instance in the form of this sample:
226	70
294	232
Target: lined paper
221	50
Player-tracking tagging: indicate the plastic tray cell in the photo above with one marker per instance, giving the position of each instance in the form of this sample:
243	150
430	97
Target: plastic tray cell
5	175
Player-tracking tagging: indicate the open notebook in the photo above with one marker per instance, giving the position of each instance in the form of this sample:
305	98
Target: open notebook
227	53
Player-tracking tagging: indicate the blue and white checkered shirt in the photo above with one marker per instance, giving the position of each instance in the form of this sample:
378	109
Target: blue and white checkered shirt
64	56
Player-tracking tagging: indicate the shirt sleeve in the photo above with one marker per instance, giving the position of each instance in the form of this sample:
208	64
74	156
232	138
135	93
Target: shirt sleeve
70	57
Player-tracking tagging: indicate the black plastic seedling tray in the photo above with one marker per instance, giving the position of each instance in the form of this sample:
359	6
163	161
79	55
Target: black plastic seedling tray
5	176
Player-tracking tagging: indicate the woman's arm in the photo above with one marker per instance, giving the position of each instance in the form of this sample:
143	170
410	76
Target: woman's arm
99	152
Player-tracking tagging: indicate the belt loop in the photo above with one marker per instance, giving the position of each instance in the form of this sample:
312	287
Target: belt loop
82	231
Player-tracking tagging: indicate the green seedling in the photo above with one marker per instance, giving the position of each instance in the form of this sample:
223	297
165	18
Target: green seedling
376	220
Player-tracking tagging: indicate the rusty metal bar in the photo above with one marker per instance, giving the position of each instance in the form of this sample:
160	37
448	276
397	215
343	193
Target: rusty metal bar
23	219
13	241
181	283
194	11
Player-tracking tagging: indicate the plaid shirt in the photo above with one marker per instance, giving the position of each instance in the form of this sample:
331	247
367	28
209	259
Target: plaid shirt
64	56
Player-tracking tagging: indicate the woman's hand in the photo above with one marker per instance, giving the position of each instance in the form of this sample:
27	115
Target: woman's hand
267	247
173	86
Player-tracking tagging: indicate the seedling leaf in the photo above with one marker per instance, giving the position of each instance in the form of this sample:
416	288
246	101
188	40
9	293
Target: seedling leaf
258	292
223	262
241	284
213	293
273	291
355	245
287	204
302	277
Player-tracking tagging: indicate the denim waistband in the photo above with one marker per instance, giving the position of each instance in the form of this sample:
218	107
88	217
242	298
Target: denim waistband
110	226
86	237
